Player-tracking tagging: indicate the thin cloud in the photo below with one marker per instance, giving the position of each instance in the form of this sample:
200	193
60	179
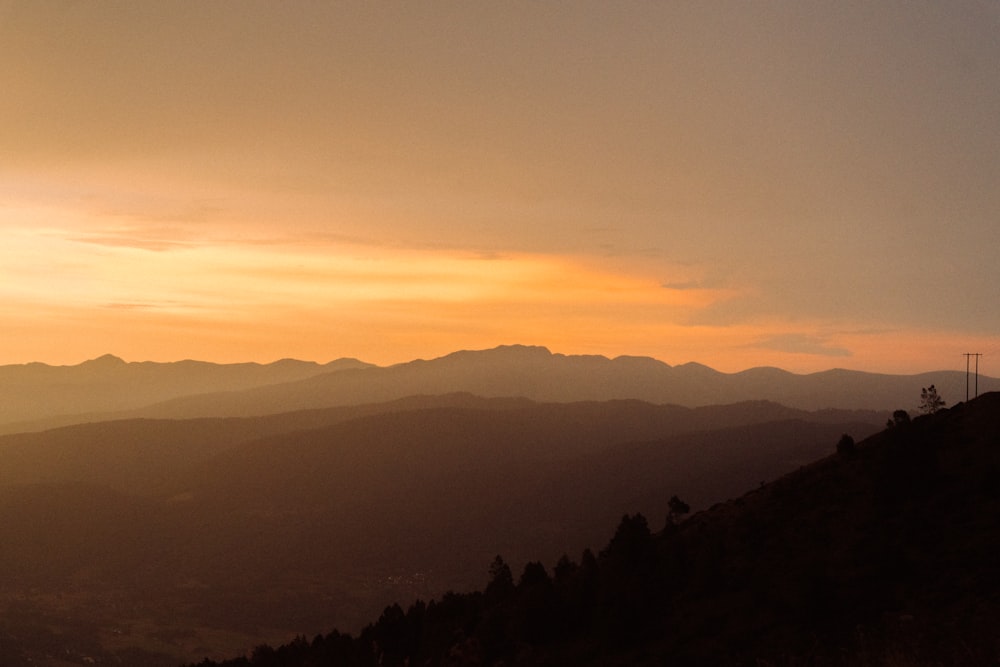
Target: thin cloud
130	306
687	285
797	343
310	239
152	237
166	305
871	331
128	241
160	210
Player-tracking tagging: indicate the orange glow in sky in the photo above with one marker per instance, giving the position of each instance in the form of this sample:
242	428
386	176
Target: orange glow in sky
735	184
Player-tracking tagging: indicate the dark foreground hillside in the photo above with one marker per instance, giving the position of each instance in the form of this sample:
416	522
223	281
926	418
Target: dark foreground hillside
150	543
884	554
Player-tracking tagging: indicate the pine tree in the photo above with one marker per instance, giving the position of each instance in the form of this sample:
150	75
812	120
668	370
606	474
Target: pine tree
930	402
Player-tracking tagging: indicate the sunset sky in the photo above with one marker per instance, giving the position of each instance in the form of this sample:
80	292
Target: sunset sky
807	185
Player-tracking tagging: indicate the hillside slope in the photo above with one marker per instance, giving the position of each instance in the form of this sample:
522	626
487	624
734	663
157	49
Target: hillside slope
881	555
211	535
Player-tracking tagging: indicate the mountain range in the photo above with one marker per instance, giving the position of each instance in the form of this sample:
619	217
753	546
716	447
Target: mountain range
38	392
156	513
38	397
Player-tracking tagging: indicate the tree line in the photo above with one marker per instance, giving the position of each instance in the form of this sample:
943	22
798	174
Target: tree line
611	597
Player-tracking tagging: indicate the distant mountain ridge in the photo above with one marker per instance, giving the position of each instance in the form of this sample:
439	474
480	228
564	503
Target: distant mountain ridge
540	375
107	387
37	391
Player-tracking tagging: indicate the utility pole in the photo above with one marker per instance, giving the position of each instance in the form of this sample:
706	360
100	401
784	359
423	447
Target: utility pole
967	355
978	354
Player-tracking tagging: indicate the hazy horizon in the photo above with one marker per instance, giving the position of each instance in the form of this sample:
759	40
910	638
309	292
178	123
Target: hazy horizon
805	186
553	352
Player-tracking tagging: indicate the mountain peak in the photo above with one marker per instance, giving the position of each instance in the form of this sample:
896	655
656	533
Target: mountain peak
639	361
538	350
104	361
503	352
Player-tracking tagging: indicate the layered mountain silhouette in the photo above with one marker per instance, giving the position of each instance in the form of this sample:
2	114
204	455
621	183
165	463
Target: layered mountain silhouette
152	514
37	397
883	554
158	541
38	392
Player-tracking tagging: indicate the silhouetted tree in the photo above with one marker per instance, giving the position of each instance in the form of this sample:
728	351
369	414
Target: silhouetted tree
632	540
588	562
845	446
392	636
494	632
930	402
899	417
534	575
564	569
536	605
579	591
501	579
629	582
677	509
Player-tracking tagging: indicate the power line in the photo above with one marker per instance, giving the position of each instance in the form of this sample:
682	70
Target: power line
978	354
967	356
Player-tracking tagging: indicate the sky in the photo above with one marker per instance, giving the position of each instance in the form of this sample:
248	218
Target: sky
807	185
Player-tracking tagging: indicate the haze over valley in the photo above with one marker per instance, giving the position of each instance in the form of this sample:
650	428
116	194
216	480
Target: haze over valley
477	334
307	497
